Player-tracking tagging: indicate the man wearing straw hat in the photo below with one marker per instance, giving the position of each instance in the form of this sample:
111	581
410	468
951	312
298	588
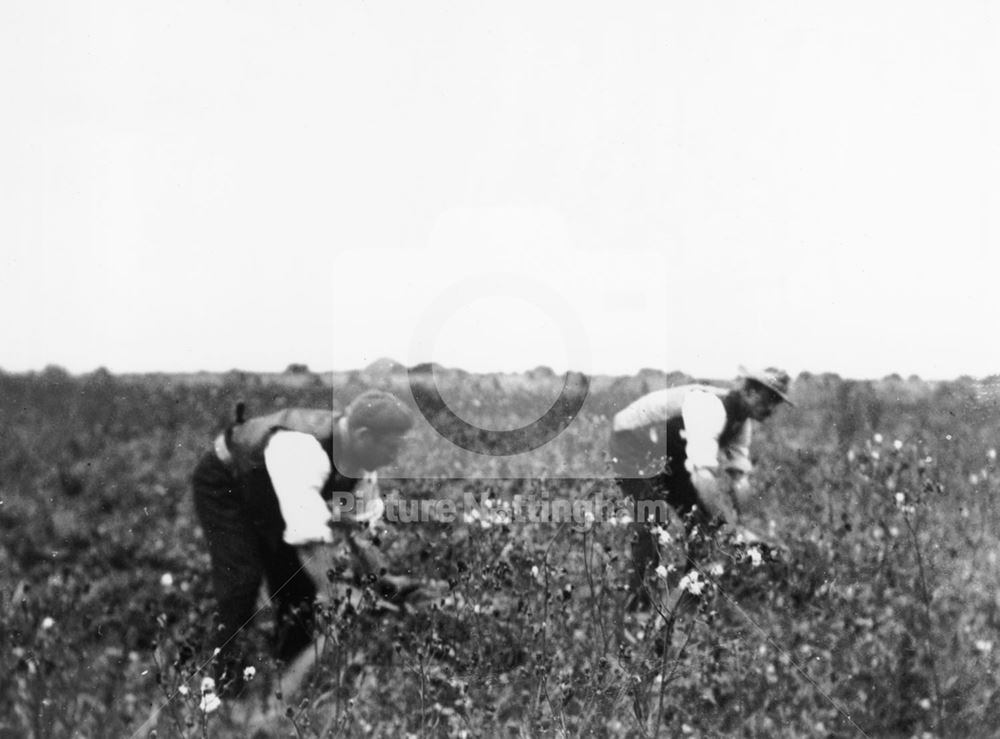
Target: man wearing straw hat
690	447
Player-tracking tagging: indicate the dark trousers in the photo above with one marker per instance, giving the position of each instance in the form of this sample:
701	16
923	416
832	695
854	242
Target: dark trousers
671	483
243	551
680	495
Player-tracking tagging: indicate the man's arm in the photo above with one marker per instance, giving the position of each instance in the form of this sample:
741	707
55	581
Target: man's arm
714	495
298	468
737	452
736	460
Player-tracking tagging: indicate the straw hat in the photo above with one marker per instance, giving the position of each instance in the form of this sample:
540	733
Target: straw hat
772	378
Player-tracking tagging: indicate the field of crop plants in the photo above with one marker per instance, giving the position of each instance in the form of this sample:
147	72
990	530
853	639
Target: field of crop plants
882	618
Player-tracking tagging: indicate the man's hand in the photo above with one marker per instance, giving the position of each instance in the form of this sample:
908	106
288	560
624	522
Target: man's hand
364	511
311	550
714	498
743	535
363	506
739	485
753	540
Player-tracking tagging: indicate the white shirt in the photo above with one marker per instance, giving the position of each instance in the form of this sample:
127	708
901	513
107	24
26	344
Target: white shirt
704	421
299	468
704	416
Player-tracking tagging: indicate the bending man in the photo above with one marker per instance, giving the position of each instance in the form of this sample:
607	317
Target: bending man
263	491
690	446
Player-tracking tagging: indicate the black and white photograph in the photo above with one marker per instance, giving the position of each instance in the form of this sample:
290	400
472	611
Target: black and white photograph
438	369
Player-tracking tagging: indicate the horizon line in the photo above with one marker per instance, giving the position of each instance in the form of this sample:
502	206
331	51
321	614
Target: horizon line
307	370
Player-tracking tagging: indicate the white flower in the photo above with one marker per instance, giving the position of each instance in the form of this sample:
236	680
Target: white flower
897	444
661	572
471	515
992	454
893	532
209	702
167	580
983	646
588	518
973	479
875	456
183	690
664	537
924	703
625	519
47	623
900	499
692	583
716	569
877	438
249	673
755	556
535	572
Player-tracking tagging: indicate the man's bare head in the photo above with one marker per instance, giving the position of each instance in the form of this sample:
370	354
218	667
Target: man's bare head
376	422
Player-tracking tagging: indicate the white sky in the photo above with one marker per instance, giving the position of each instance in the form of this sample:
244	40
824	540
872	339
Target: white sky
210	185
